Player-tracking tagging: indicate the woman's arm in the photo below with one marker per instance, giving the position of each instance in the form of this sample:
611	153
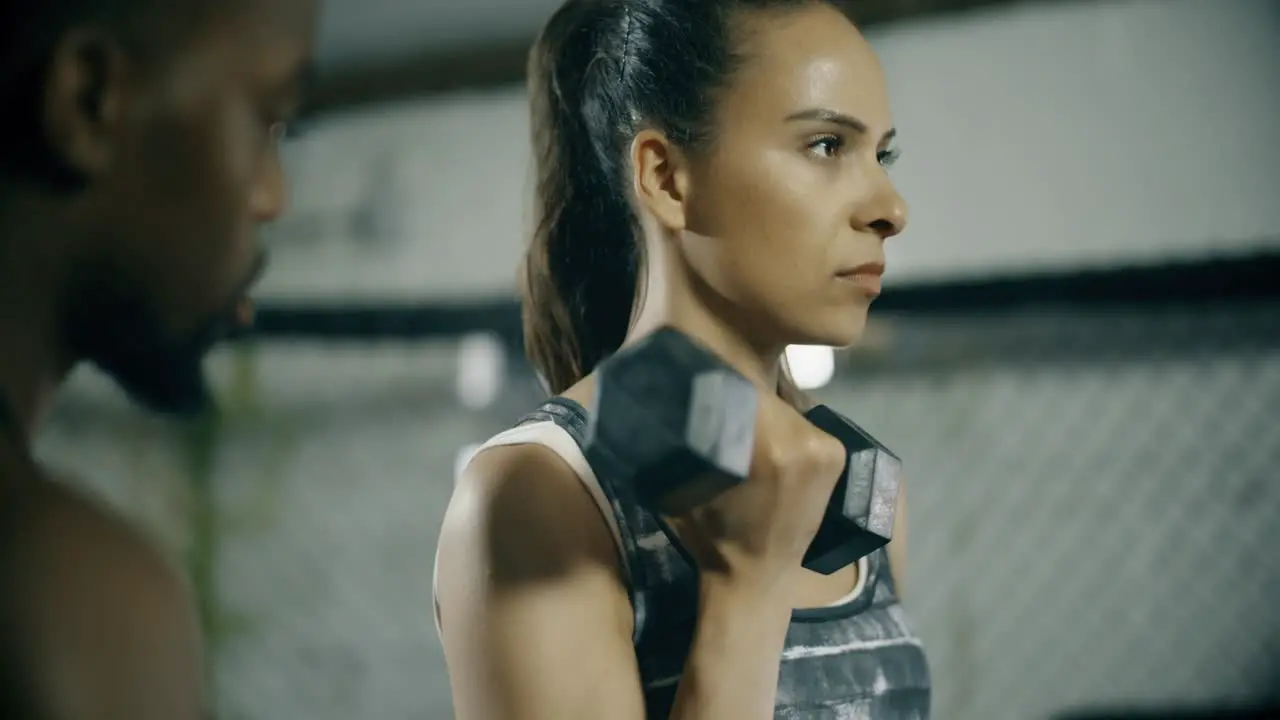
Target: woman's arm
535	616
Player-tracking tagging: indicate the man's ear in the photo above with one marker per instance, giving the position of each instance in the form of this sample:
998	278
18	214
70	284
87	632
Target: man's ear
81	103
661	174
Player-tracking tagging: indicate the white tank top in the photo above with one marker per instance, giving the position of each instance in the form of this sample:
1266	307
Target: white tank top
555	438
858	658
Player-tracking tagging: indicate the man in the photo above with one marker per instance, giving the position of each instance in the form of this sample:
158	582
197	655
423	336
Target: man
139	154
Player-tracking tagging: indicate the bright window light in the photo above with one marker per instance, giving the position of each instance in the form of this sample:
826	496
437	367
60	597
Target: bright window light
812	366
481	366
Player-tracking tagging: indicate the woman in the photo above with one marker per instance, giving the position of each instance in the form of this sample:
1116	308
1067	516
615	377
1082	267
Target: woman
717	166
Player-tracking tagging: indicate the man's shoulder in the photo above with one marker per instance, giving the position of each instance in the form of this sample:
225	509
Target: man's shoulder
79	584
57	536
59	545
45	515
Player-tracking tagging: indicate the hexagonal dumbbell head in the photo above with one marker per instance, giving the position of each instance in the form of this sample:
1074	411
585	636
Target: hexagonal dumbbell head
673	420
859	517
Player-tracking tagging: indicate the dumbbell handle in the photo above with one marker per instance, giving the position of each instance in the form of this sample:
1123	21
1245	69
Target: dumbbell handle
859	517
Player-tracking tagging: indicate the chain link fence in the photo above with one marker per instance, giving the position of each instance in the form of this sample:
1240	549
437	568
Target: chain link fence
1094	501
1095	508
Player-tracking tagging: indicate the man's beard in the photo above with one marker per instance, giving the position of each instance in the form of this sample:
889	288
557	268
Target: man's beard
162	373
125	338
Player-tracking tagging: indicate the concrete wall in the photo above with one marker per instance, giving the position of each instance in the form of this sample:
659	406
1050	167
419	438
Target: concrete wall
1052	136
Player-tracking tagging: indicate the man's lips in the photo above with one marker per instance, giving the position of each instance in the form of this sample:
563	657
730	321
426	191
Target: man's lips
244	312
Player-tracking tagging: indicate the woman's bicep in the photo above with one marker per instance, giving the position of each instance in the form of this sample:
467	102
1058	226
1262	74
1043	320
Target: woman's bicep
534	617
541	653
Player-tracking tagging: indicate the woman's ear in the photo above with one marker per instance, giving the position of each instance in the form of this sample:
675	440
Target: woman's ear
661	177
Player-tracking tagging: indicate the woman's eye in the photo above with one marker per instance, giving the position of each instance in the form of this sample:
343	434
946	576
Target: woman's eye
827	146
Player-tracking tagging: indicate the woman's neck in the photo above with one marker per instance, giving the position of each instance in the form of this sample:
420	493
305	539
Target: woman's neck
666	303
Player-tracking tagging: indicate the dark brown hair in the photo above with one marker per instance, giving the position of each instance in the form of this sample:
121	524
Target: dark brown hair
600	71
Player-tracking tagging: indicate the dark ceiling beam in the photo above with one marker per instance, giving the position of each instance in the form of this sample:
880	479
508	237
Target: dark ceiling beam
422	76
503	63
871	13
1237	281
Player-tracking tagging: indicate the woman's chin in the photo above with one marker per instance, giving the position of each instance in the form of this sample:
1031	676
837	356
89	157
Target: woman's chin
839	333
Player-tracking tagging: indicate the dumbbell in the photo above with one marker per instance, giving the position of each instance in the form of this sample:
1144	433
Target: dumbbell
677	425
672	421
859	518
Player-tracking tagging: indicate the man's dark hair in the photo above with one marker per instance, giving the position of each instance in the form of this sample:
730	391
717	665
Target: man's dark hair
29	31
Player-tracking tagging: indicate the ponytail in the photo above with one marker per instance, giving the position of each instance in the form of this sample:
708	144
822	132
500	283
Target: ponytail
597	71
580	270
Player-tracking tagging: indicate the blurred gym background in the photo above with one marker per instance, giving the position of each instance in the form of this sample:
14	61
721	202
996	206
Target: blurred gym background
1078	356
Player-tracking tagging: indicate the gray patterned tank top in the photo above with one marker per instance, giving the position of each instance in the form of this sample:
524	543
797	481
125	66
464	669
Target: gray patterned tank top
858	660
